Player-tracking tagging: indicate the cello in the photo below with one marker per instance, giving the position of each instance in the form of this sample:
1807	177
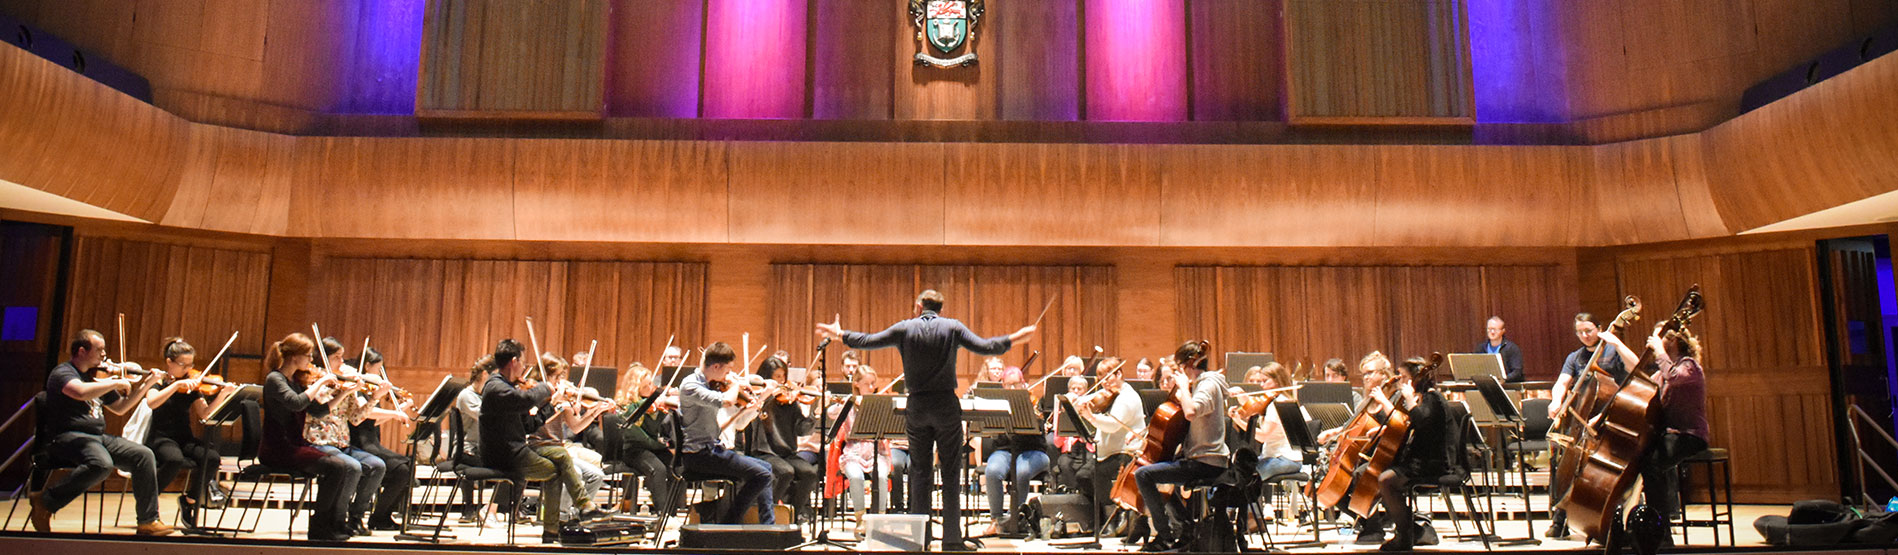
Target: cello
1166	429
1609	452
1354	485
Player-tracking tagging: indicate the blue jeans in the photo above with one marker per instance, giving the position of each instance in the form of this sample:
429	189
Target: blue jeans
370	468
752	475
1019	469
1274	466
1161	508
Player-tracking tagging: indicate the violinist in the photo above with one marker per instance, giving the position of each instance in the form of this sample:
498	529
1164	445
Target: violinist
1203	454
295	392
1143	370
507	400
366	435
329	431
1616	359
1017	458
701	396
1073	456
172	437
992	369
1070	367
773	439
1426	454
1684	430
73	419
858	454
1277	456
641	446
468	411
1120	429
558	420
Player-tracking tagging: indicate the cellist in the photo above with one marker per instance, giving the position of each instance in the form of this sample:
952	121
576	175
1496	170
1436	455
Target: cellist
1203	453
1616	360
1378	389
1425	455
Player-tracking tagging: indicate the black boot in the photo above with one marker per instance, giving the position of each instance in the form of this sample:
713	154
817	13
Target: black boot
1558	525
1404	538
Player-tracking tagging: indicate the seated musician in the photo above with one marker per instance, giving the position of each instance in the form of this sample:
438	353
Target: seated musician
1203	453
1016	458
1494	342
1277	456
701	396
506	401
1683	399
1143	370
468	411
173	437
366	434
1380	385
295	392
1073	455
773	439
329	432
643	436
1119	433
858	458
1425	455
559	420
72	417
1615	359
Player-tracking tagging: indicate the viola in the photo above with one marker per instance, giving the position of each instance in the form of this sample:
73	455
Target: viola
1609	451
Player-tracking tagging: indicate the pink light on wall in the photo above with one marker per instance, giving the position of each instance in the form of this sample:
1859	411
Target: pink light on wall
754	59
1136	60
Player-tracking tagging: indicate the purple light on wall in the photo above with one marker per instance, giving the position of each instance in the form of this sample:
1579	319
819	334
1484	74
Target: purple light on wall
653	59
1136	60
754	59
387	58
1516	61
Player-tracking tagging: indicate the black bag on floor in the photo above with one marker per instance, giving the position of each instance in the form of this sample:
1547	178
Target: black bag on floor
1815	522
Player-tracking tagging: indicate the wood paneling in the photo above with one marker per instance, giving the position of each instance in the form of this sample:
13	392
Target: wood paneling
169	289
356	187
1377	58
880	192
991	300
1764	356
1106	194
853	75
1137	66
520	57
653	58
1237	59
1312	313
755	59
1029	68
619	190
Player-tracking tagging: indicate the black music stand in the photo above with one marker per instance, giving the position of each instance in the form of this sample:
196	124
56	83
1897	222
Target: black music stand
1506	411
1298	434
827	430
1142	384
226	413
428	419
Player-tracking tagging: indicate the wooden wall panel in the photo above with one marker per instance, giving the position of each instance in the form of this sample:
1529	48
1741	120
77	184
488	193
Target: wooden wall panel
1238	61
359	187
523	57
1764	356
169	289
991	300
1377	58
653	57
853	73
1312	313
439	315
234	180
886	193
1036	55
1319	195
1413	207
619	190
755	59
1137	66
1107	194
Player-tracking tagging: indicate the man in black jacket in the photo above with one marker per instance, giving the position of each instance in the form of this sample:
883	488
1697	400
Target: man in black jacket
504	412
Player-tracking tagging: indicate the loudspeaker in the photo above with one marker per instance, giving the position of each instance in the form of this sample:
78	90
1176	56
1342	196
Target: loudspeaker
739	536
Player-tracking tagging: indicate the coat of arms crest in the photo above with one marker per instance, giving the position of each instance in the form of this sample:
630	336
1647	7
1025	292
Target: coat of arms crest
945	26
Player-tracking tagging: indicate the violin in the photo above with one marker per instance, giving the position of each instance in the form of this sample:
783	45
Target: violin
109	369
208	386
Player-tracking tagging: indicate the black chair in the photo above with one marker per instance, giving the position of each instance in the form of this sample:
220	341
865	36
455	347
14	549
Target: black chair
1458	479
258	474
41	470
478	477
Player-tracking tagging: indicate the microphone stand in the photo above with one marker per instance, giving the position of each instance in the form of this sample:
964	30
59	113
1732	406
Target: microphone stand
821	536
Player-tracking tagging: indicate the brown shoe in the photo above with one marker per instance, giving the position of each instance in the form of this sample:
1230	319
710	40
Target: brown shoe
42	519
155	528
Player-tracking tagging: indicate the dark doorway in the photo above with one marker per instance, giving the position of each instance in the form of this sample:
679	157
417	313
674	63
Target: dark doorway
32	300
1854	298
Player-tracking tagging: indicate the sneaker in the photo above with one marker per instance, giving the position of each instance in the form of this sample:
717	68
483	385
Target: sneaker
470	518
1370	535
156	528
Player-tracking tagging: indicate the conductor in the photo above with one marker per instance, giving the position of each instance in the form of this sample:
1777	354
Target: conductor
928	343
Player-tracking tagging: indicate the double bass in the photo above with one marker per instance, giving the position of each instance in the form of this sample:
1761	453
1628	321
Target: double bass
1593	388
1352	485
1609	452
1166	429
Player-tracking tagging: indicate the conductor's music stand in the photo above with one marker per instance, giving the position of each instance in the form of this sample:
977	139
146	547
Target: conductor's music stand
428	426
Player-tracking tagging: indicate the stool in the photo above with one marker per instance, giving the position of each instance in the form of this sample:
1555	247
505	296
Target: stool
1719	499
1287	495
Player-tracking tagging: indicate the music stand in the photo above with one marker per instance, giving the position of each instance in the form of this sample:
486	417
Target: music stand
1498	403
839	388
988	385
225	413
1325	392
666	373
1468	366
1298	434
603	379
1071	424
1142	384
1249	387
1238	362
428	420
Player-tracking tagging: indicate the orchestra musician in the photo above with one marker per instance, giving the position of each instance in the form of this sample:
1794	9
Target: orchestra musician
1143	370
294	391
1120	430
1683	399
858	455
1203	454
468	410
557	421
929	344
1425	455
701	396
173	438
1336	371
642	448
506	401
773	439
366	435
1073	456
1277	456
1495	342
72	416
329	431
1017	458
1616	359
1379	386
